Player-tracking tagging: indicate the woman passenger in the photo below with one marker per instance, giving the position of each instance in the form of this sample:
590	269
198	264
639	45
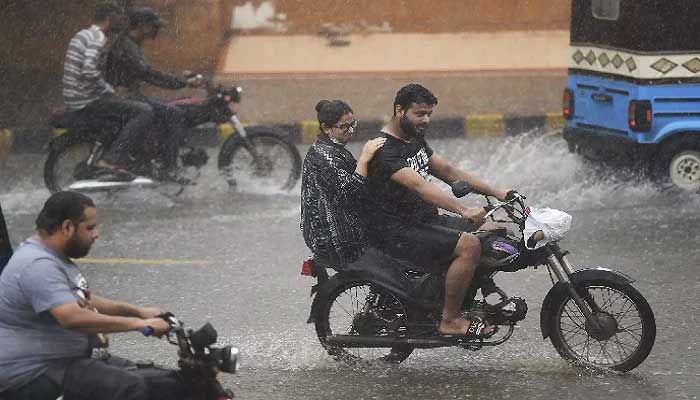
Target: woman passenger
333	186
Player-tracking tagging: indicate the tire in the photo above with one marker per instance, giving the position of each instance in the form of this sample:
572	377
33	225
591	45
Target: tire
607	294
679	164
278	169
385	304
58	174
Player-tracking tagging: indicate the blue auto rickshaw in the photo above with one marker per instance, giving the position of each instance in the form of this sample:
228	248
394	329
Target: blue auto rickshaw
633	91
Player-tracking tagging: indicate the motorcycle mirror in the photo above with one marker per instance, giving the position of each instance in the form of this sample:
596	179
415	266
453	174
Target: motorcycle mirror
461	189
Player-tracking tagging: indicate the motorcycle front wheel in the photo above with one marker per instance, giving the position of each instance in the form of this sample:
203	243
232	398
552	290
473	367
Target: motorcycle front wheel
362	309
264	159
67	161
625	334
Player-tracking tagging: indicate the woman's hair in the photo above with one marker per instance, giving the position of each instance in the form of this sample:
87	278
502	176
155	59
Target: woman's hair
330	112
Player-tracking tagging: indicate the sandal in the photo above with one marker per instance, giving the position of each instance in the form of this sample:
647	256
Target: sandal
478	329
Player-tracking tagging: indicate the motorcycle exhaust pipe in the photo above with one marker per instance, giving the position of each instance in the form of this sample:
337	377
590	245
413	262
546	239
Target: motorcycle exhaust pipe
379	342
351	341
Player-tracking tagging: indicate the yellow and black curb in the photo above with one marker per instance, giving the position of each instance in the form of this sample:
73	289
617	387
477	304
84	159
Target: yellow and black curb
7	141
305	132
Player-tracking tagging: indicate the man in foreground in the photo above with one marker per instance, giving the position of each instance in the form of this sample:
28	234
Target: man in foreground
50	320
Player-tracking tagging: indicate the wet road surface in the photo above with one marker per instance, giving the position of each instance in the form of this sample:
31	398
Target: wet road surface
239	256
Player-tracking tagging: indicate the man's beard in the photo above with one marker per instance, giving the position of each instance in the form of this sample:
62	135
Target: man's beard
410	130
76	249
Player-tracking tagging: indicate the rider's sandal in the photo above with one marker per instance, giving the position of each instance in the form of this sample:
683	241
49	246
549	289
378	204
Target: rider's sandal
478	329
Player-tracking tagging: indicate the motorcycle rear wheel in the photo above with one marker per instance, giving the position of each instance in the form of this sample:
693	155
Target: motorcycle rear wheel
273	162
350	303
67	158
630	328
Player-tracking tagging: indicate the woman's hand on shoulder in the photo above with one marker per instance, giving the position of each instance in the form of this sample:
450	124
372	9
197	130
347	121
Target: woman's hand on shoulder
370	149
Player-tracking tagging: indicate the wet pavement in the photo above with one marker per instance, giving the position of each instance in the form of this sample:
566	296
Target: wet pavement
239	256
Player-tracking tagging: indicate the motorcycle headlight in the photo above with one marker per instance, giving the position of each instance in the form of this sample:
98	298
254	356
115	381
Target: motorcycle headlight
228	359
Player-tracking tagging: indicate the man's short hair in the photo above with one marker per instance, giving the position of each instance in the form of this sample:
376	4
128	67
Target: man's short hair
106	9
413	93
60	207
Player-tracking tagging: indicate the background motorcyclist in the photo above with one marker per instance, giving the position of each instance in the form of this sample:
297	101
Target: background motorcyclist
50	319
86	92
126	67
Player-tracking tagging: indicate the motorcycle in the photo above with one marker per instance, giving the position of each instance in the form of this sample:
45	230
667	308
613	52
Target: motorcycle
199	360
258	154
381	308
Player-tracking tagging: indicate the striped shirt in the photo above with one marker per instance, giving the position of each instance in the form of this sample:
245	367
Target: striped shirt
83	82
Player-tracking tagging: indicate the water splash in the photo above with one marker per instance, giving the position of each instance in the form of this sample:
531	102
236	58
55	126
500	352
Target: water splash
538	165
541	167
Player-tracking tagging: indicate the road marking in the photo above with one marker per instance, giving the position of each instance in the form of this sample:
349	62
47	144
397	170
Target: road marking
139	261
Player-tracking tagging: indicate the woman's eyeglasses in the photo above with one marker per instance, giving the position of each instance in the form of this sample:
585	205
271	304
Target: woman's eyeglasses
347	127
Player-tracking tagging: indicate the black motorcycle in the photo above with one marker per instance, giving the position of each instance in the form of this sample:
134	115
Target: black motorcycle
259	154
200	360
382	308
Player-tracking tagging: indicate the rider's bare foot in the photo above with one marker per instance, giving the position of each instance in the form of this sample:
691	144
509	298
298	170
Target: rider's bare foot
107	171
456	326
110	166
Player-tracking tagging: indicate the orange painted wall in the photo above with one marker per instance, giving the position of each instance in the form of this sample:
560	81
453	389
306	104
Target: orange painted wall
305	16
35	33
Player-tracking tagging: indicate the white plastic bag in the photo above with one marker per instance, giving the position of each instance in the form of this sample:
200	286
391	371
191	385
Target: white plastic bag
553	223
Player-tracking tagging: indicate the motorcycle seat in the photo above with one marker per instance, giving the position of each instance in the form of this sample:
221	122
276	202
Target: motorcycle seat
62	118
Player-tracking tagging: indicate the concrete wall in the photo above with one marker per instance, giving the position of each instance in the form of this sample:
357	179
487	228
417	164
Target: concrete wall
306	16
34	33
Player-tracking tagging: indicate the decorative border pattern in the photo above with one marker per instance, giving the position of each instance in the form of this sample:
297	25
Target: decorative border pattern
638	66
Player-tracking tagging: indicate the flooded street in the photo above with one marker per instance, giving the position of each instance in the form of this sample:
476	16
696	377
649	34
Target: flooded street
234	259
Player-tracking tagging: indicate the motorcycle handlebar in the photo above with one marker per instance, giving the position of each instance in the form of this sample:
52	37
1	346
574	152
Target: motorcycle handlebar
167	317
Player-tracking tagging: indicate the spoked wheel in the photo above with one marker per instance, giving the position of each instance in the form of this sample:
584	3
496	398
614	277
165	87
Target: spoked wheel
359	308
67	162
268	160
625	334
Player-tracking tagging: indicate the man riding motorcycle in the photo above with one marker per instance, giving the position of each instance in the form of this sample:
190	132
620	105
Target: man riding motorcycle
89	97
126	67
404	219
51	321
